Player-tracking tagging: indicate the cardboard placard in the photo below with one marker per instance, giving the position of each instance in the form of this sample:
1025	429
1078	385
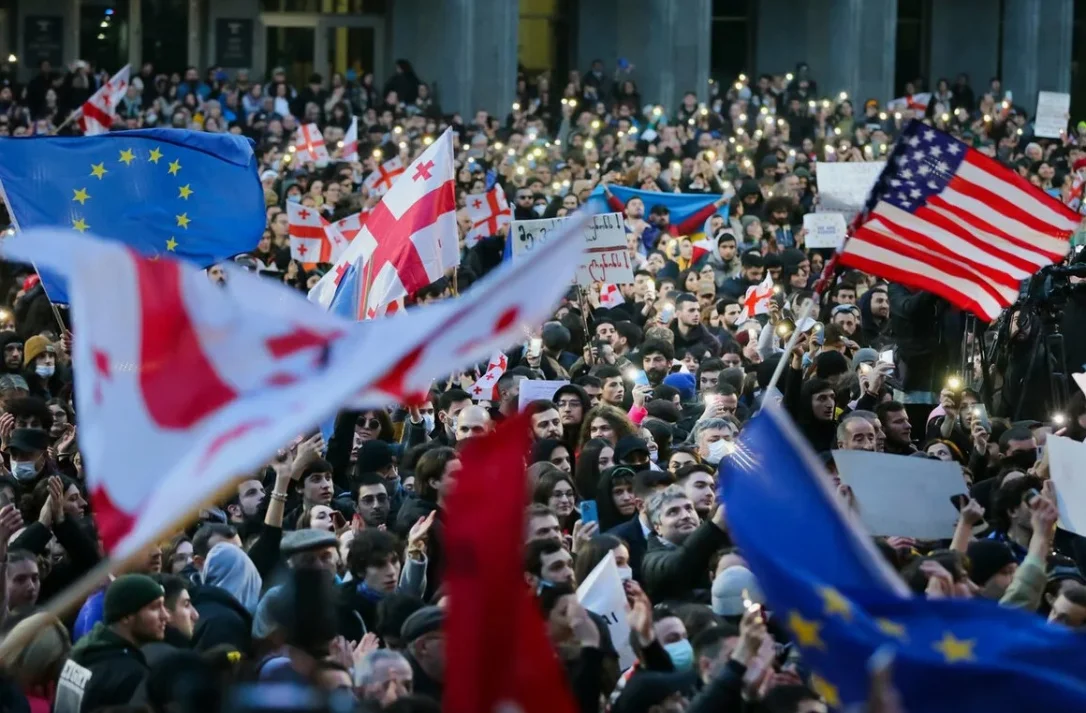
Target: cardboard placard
905	496
844	187
606	257
824	230
535	389
1065	459
601	593
1053	112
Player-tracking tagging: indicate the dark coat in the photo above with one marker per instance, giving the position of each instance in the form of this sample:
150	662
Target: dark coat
674	572
223	620
630	532
115	667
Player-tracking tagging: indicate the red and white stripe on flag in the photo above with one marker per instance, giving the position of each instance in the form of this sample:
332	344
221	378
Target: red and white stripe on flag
380	181
489	213
312	238
97	112
950	220
350	141
309	145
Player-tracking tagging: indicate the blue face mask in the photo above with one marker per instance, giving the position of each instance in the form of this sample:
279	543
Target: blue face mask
23	469
681	654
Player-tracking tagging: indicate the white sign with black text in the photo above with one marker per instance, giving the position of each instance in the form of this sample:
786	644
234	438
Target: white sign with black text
606	256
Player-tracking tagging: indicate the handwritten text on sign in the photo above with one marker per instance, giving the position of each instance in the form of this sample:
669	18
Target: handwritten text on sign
605	258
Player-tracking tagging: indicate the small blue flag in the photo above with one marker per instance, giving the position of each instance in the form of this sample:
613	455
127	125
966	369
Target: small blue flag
491	178
186	194
347	299
680	205
829	587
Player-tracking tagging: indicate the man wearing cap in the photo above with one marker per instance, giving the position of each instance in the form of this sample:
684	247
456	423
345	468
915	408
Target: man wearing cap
632	451
424	643
106	667
12	346
27	455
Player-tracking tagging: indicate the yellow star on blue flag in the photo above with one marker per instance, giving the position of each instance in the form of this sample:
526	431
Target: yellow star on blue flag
142	188
840	601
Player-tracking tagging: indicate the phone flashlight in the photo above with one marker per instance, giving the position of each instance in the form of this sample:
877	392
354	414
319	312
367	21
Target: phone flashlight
1059	419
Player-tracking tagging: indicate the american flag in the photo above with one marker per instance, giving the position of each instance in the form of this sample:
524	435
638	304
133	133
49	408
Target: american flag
955	222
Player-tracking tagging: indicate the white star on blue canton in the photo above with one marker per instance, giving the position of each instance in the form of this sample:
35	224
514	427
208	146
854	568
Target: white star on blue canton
942	167
936	151
918	155
894	182
929	135
902	160
916	193
955	149
914	141
933	185
924	169
906	174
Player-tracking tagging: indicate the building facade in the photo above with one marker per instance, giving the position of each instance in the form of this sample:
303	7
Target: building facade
470	50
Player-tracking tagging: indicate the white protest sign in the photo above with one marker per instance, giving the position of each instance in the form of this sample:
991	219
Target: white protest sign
1053	111
1080	381
1065	467
844	187
601	593
903	495
824	230
606	257
533	389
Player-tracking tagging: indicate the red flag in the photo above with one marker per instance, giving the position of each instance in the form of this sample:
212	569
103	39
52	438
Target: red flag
500	655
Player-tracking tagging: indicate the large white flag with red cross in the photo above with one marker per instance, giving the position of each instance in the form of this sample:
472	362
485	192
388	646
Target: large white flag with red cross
184	384
410	236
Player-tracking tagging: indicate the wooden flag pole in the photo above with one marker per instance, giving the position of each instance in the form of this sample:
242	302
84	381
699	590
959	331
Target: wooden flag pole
76	593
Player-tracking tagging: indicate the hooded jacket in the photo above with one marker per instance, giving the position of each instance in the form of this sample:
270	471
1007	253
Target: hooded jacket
822	435
103	669
874	333
228	599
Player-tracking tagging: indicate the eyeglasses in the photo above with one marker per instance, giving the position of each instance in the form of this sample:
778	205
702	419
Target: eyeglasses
524	198
369	423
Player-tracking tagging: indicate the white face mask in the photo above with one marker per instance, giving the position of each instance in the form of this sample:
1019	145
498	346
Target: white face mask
428	422
654	456
717	451
44	371
540	210
23	469
625	574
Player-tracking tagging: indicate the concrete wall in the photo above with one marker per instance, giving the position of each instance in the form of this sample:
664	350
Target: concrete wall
66	10
977	53
1036	48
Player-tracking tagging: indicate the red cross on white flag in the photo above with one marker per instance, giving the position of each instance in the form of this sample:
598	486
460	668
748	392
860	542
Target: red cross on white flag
350	142
756	300
312	238
489	213
350	225
410	236
309	145
198	382
97	112
380	181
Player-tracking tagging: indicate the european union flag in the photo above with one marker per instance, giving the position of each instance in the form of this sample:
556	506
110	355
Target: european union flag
829	587
186	194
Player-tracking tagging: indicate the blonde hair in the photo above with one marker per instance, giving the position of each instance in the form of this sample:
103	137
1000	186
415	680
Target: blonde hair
36	666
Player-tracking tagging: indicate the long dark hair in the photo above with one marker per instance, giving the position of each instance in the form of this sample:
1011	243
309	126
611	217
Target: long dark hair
587	473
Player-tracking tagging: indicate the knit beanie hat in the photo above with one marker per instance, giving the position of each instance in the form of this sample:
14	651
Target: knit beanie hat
128	594
34	346
986	558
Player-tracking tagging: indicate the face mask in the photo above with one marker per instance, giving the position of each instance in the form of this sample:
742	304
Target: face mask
44	371
654	456
625	574
1021	459
681	654
717	451
294	198
23	470
428	422
539	210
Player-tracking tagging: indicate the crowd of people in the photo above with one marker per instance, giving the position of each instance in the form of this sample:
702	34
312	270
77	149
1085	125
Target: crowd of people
324	569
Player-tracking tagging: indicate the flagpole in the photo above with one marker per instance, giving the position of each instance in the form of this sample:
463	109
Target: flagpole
820	286
74	594
73	115
367	277
15	223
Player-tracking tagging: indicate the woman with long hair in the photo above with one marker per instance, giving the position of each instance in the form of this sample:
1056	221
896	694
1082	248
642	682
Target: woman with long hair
596	456
606	422
35	666
556	490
